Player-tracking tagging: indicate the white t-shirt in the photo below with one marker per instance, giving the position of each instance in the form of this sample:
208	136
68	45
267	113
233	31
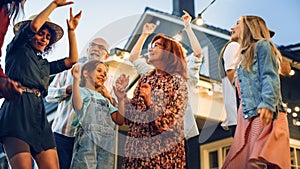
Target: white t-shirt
229	55
229	92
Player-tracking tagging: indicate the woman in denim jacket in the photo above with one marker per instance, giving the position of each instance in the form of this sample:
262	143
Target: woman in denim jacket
262	129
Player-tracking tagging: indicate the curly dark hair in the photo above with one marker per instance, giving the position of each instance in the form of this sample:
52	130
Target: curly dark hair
50	46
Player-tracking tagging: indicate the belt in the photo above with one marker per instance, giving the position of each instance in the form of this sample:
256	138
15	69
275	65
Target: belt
33	91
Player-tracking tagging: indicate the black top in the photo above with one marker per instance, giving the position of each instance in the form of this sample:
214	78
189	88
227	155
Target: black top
22	63
25	118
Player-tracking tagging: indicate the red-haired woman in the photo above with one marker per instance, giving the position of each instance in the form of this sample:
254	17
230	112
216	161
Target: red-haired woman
155	113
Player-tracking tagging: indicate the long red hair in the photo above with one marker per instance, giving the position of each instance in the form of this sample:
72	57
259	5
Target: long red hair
174	57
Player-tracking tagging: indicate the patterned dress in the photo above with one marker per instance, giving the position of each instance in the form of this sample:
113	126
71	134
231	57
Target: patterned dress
156	138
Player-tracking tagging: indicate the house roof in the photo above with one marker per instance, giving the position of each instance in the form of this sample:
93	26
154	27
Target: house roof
293	53
170	24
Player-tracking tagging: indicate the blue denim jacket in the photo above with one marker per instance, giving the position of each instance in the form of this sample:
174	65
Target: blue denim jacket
260	88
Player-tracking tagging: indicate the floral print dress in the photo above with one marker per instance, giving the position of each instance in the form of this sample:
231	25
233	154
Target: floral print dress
156	137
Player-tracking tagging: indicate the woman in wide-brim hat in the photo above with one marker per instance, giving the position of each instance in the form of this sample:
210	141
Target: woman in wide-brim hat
55	30
25	131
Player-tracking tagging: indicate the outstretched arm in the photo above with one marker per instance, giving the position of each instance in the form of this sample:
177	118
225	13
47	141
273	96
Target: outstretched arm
191	35
76	98
73	51
193	63
120	92
42	17
137	49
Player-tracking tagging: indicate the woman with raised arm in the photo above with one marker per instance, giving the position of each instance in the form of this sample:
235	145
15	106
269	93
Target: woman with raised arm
25	131
155	113
193	60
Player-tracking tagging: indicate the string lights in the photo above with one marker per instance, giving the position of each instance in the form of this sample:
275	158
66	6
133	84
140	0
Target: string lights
199	20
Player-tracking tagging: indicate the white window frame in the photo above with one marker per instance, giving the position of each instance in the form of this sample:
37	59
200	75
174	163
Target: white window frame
205	149
295	144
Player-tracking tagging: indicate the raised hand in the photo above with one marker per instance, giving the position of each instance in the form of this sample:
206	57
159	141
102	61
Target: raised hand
145	92
74	20
120	86
186	17
123	81
119	91
76	72
62	2
149	28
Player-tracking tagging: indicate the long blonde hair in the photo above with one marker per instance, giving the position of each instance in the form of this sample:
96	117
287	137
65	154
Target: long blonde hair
254	29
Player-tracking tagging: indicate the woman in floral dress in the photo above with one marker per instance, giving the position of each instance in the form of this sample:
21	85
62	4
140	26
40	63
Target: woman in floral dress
155	113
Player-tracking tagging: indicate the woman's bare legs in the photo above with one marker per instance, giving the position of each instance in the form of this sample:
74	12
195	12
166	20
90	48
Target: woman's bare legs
19	155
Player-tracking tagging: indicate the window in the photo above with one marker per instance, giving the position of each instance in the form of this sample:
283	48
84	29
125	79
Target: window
225	151
213	154
213	160
295	154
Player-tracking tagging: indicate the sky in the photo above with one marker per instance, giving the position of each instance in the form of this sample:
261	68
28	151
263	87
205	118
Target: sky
116	19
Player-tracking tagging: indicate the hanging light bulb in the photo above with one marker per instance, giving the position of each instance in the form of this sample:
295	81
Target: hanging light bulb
178	36
199	20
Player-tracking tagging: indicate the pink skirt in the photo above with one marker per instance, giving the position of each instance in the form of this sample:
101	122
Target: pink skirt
258	146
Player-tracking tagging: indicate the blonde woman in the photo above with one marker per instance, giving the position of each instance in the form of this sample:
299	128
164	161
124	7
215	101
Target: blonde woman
262	134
